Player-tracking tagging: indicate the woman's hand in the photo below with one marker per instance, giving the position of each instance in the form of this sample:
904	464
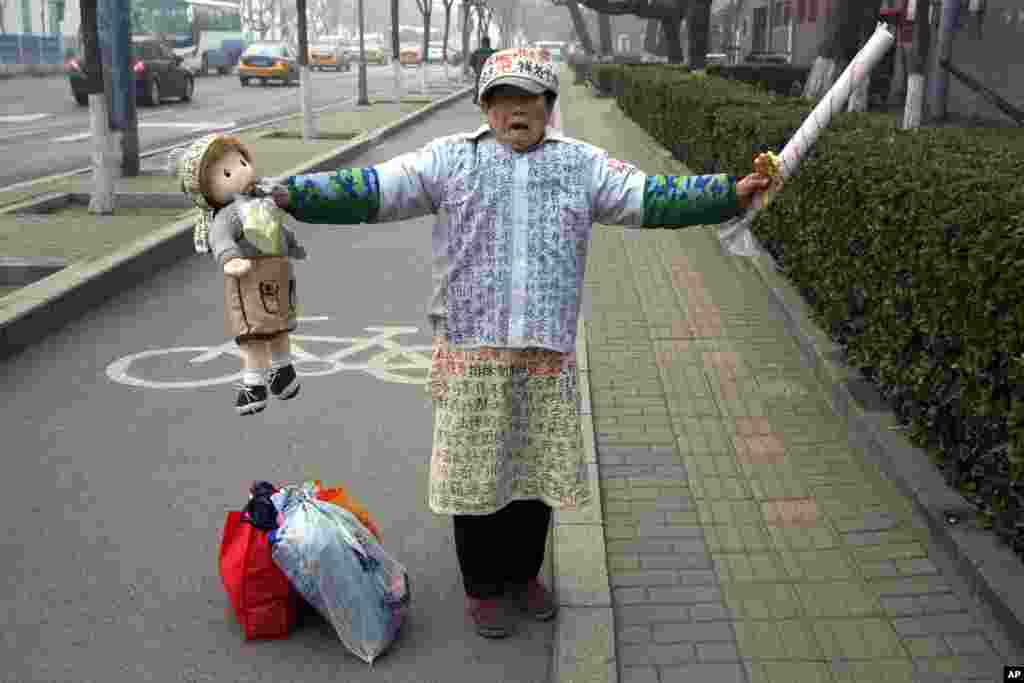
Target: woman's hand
749	186
280	196
237	267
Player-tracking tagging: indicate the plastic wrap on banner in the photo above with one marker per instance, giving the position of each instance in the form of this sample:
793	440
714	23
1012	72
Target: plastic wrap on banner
735	235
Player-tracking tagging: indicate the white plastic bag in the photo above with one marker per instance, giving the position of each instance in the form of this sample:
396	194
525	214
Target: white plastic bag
341	570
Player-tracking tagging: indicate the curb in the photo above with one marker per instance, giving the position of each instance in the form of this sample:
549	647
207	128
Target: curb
584	649
50	303
993	574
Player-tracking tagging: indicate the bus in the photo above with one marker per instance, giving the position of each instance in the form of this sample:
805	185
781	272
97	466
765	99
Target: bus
206	34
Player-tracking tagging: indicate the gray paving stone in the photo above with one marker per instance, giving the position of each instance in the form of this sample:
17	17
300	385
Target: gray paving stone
633	615
634	635
658	655
708	631
640	547
610	471
940	623
918	565
968	644
704	673
638	674
685	594
629	596
651	577
710	612
717	652
693	577
669	531
675	561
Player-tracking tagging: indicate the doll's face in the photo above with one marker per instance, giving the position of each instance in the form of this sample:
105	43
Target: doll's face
230	175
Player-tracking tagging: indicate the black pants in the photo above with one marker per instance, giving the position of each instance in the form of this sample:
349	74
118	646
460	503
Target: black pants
503	549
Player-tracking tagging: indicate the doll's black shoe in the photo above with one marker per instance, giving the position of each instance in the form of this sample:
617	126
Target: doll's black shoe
283	382
252	398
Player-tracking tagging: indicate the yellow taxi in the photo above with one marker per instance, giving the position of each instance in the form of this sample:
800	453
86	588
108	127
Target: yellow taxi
268	62
409	56
326	56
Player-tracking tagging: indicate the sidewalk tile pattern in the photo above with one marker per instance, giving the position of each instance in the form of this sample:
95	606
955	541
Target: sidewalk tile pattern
746	540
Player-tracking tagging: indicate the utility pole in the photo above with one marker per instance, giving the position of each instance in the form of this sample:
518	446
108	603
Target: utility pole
363	100
305	86
115	39
939	81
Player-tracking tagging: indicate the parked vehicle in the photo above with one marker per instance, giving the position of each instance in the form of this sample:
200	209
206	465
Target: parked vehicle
374	55
326	56
767	58
554	48
158	73
268	62
410	56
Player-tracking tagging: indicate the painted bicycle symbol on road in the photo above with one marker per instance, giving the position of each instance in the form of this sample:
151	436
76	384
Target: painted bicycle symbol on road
390	361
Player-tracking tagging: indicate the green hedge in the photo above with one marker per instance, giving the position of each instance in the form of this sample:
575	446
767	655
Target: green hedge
908	247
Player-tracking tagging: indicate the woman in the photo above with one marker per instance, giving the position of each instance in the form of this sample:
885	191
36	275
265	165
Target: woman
509	249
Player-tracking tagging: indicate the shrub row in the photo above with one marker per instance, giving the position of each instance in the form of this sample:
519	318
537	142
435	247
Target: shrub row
908	247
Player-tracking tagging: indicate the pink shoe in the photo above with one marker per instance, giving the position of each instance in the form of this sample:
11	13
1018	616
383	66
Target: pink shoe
488	617
536	601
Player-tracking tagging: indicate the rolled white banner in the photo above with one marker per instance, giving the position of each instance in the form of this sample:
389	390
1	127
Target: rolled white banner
736	236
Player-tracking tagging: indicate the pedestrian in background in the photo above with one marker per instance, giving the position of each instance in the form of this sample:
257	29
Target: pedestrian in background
476	62
509	254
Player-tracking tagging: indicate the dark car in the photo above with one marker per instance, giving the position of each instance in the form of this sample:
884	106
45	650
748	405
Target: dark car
268	61
158	74
767	58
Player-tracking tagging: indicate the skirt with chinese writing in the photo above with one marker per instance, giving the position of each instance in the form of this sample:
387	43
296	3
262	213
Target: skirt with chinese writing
506	427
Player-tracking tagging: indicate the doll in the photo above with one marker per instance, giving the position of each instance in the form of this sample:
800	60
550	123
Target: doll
244	230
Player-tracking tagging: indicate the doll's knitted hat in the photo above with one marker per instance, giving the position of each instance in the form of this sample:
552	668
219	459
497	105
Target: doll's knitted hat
527	68
187	164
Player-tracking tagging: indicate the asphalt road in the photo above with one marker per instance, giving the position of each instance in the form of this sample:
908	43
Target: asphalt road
116	495
43	130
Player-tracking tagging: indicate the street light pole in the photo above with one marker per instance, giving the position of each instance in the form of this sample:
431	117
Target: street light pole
363	99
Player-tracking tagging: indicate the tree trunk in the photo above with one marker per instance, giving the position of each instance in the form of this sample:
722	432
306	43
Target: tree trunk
444	41
604	23
465	42
426	47
850	24
673	39
396	65
652	36
581	27
698	29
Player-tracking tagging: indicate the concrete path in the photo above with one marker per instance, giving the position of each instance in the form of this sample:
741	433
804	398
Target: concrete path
746	539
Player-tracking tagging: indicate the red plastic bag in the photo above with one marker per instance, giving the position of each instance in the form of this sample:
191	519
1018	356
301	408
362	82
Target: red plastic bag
264	601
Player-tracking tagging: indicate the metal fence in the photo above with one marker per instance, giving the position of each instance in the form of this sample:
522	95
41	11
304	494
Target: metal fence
31	49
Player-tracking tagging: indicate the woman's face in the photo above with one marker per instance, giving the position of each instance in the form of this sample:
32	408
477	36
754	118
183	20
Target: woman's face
518	118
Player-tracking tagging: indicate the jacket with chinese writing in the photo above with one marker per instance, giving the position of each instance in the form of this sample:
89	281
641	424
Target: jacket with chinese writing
510	240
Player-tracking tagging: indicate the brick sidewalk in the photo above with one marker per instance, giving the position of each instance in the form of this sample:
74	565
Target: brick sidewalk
746	539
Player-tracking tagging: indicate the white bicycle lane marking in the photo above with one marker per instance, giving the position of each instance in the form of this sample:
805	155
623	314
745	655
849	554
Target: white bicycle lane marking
393	363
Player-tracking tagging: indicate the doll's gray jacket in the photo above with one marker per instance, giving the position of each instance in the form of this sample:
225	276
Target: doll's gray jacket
227	240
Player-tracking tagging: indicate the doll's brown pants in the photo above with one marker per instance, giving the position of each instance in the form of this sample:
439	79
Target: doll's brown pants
262	303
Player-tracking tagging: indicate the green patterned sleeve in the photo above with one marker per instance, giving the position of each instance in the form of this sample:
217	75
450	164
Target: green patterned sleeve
345	197
681	201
